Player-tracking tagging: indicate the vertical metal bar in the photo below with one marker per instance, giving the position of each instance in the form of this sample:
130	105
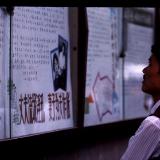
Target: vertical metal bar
82	60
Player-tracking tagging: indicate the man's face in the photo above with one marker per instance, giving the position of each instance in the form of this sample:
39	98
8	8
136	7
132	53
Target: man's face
151	78
56	65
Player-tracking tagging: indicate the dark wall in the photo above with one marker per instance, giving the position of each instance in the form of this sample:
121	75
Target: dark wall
107	150
104	142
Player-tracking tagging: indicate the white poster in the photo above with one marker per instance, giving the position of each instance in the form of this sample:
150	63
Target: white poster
102	101
41	91
139	41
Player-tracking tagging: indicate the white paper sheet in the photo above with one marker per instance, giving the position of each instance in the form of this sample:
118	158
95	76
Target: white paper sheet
103	104
40	103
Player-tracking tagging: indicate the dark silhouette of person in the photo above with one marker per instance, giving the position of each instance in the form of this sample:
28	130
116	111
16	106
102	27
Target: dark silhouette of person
62	66
59	74
56	73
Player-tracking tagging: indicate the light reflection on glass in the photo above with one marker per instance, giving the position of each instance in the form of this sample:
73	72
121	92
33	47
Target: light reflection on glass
133	70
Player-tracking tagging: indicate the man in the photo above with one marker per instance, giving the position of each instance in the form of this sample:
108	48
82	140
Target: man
145	144
56	71
62	65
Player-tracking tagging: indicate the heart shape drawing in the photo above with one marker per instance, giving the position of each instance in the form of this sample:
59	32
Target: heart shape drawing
102	92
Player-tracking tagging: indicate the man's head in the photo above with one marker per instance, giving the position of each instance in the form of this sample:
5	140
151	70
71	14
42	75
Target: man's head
151	78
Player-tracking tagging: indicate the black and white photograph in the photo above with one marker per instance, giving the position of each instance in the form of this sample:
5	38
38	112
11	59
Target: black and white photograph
59	64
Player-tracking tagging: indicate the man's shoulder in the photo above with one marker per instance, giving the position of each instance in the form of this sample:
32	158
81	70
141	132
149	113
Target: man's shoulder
151	118
151	121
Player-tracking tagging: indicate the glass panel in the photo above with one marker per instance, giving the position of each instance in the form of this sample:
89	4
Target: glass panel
4	74
139	38
42	97
103	97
